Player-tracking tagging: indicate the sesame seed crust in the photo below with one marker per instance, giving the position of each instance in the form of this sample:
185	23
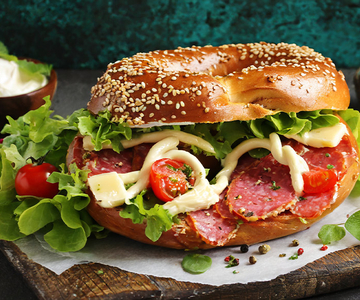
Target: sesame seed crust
215	84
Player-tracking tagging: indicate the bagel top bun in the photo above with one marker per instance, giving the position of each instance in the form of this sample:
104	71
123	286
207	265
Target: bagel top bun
216	84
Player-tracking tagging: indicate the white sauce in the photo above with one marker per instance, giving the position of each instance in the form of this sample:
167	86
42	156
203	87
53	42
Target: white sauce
202	195
15	82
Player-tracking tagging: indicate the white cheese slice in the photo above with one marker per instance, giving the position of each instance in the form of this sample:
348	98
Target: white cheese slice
321	137
108	188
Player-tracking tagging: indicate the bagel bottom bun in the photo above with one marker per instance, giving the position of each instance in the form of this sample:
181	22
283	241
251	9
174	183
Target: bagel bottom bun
183	236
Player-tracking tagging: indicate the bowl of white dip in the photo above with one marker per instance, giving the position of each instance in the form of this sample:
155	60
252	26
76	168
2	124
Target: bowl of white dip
20	91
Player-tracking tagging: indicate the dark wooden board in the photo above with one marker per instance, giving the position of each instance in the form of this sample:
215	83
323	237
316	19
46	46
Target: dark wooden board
335	271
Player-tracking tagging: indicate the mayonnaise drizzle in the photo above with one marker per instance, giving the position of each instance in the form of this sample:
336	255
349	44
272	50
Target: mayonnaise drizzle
202	195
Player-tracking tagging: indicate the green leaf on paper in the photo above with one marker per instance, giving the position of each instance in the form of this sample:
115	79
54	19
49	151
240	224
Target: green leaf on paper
331	233
196	263
352	225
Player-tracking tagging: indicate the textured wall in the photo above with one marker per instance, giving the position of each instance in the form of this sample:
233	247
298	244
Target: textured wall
91	33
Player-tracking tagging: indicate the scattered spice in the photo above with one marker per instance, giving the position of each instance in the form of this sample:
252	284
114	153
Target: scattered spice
300	251
282	255
252	260
295	243
324	247
244	248
264	248
232	261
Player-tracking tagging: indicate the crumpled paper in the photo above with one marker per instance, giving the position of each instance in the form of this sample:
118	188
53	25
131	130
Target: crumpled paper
135	257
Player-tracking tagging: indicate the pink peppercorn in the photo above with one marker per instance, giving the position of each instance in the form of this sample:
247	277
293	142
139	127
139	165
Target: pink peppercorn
300	251
324	247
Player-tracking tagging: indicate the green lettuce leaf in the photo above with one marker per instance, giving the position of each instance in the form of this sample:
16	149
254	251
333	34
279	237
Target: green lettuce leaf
28	67
103	131
150	209
63	219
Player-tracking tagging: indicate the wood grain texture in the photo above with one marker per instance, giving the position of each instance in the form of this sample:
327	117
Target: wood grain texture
334	272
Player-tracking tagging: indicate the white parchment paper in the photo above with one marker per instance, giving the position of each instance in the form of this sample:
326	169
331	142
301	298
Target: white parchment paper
135	257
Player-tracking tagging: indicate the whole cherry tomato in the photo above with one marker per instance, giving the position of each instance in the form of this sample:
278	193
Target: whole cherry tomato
169	178
319	180
31	180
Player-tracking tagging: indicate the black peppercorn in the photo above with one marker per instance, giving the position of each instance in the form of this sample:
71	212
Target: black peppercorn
244	248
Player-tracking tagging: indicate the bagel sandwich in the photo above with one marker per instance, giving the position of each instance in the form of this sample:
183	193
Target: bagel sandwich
203	147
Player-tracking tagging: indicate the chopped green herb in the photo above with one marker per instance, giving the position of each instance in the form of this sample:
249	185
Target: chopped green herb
330	166
302	220
293	257
327	154
274	186
99	272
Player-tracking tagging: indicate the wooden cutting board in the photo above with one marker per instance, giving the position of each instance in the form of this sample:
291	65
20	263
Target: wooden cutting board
333	272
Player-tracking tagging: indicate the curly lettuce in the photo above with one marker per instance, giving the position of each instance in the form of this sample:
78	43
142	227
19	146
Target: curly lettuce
63	220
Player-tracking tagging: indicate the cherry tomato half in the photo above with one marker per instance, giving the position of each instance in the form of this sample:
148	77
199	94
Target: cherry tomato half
319	180
168	178
31	180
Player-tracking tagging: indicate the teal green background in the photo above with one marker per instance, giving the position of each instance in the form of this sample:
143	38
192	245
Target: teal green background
88	34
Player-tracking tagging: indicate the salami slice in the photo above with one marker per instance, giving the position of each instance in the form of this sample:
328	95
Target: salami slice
212	228
107	160
312	206
222	208
262	191
338	159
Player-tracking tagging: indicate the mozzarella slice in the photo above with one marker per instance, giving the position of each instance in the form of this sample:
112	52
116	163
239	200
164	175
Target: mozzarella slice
321	137
108	188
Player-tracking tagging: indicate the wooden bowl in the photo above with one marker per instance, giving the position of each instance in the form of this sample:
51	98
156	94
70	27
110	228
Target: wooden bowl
16	106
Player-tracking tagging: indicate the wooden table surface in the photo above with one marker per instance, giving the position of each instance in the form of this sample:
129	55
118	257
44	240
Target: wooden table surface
20	278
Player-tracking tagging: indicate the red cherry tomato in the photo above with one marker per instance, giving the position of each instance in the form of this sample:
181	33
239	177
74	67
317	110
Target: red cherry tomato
319	180
31	180
168	179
